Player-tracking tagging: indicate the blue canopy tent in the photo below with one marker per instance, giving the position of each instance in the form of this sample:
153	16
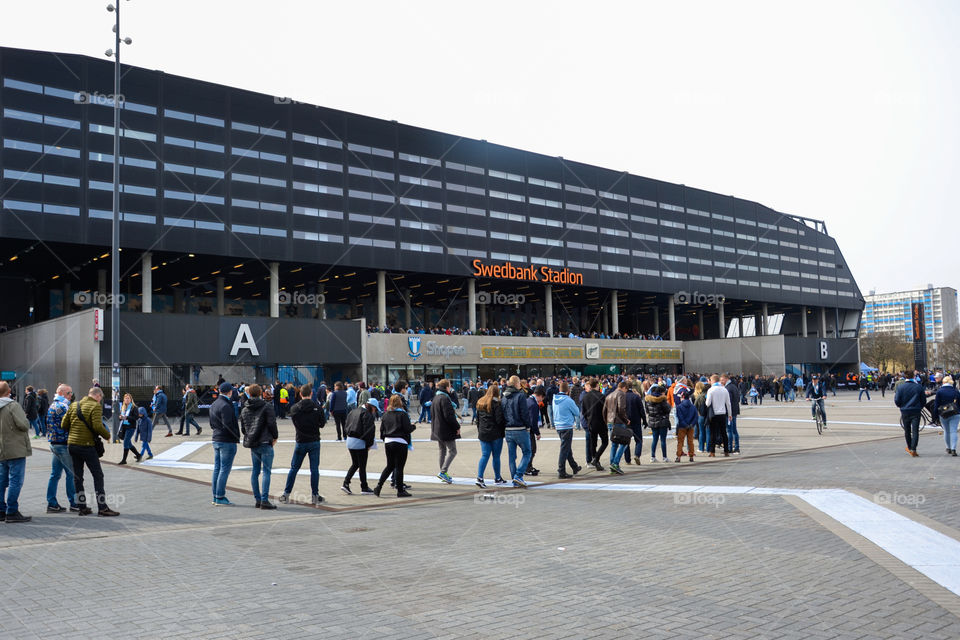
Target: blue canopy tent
864	368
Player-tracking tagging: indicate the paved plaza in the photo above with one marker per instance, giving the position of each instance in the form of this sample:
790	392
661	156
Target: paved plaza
803	536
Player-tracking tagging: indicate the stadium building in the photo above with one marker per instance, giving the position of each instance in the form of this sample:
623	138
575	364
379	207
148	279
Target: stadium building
281	238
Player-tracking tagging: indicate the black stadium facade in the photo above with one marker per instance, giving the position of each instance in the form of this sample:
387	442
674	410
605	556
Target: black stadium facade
240	205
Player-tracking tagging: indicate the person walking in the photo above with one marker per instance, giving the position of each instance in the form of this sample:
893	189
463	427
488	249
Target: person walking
946	407
258	424
395	430
84	422
863	383
718	411
307	417
31	408
592	409
638	420
911	399
491	431
445	428
686	423
159	407
191	407
361	433
128	427
426	401
337	406
615	415
473	397
565	414
225	433
535	408
516	430
658	418
61	462
144	433
14	450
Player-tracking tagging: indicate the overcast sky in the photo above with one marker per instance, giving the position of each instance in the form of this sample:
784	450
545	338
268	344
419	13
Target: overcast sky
844	111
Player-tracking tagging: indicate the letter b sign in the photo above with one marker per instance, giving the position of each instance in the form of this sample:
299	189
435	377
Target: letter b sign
824	351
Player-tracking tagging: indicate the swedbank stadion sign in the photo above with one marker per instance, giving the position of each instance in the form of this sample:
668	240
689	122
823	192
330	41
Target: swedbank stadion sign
531	273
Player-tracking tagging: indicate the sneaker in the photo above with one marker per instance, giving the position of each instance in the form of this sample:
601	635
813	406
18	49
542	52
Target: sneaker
500	481
169	435
691	458
445	478
55	508
577	469
16	516
106	512
619	471
284	498
122	462
267	505
257	504
404	494
599	467
367	491
222	502
84	511
318	499
346	490
678	459
74	508
653	459
532	472
376	490
563	475
199	430
480	483
518	482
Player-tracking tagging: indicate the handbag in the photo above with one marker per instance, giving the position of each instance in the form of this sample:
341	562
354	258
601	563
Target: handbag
620	434
948	410
97	442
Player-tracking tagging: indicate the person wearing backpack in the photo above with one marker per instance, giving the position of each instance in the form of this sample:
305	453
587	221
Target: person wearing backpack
946	407
84	422
258	423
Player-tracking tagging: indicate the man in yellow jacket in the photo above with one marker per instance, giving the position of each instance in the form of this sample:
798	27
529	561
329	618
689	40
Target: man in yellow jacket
83	420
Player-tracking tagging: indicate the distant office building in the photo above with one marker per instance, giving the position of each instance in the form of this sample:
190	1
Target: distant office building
890	312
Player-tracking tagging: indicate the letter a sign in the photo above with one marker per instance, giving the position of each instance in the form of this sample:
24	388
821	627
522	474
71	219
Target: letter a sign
244	340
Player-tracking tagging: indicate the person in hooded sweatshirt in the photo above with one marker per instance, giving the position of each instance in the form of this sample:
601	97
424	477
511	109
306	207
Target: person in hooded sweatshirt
258	423
686	423
144	433
658	417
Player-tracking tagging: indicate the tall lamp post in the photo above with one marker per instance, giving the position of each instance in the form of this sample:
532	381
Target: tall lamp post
115	244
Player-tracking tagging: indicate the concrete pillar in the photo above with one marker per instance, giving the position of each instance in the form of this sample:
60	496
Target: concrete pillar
605	322
823	322
221	307
472	304
656	321
178	300
381	299
322	303
146	283
274	289
766	318
614	312
483	316
700	322
740	325
722	321
672	318
548	307
836	325
803	321
757	324
102	284
406	308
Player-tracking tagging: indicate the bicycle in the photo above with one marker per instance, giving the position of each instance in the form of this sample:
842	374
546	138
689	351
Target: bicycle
818	417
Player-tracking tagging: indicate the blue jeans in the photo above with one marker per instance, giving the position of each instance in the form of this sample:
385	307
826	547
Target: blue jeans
518	438
703	433
11	481
863	391
733	437
616	450
300	451
487	449
262	458
128	439
950	430
659	435
223	454
62	462
638	438
424	414
813	411
189	419
38	426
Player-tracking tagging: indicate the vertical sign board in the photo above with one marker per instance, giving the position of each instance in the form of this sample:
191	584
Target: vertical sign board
919	336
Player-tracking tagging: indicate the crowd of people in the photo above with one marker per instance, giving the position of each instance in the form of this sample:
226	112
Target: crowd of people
611	411
507	330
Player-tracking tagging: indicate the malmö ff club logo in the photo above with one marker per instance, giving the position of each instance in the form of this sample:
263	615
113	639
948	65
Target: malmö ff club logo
414	342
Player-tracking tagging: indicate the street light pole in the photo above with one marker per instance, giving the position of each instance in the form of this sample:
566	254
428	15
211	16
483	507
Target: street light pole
115	243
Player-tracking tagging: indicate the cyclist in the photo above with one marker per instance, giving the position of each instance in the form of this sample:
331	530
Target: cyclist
816	393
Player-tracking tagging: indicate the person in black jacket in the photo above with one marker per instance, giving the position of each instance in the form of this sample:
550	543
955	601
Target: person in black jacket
337	406
361	430
592	409
733	436
445	428
490	433
258	423
307	419
395	430
638	420
226	436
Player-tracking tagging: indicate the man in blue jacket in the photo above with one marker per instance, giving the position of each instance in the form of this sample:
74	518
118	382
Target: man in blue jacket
566	414
533	409
517	430
226	435
911	399
159	406
426	400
